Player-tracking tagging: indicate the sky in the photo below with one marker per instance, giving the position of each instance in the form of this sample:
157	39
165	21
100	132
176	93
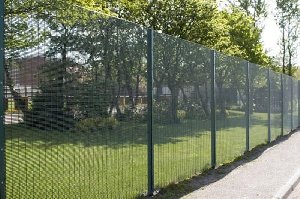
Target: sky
271	32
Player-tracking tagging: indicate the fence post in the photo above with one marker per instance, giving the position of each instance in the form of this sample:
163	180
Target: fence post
213	109
247	107
298	103
150	111
292	96
282	104
2	132
269	107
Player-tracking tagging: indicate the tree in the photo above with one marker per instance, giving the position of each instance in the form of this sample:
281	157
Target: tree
26	29
102	43
230	31
245	38
254	8
288	21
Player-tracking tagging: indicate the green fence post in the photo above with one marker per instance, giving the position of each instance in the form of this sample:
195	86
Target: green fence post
292	96
213	110
150	111
298	103
269	107
282	104
247	107
2	132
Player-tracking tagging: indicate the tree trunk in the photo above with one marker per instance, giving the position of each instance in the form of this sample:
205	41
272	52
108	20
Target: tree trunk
222	101
174	104
19	101
185	98
290	61
203	101
241	98
130	91
137	91
159	90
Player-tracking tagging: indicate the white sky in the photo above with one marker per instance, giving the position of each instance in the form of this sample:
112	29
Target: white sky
271	32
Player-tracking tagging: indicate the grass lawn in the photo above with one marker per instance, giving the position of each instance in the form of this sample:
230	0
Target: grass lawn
43	164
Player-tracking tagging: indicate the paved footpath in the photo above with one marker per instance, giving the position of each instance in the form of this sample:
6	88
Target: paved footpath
261	178
295	194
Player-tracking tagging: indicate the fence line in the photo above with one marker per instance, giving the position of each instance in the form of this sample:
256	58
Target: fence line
80	127
2	133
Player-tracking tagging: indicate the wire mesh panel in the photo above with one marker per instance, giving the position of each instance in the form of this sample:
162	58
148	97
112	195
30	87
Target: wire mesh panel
258	105
287	119
295	104
276	104
230	102
75	106
181	109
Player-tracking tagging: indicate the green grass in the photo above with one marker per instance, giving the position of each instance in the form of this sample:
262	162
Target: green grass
113	164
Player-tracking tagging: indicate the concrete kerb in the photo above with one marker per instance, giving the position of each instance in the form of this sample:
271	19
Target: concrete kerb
286	190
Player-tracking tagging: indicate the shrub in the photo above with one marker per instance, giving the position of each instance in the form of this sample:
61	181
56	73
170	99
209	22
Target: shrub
162	113
47	111
138	114
198	114
98	124
193	111
181	114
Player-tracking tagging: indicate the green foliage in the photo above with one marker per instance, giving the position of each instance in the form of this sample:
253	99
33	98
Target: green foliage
50	108
254	8
138	114
231	31
245	38
162	112
288	21
95	125
181	114
114	51
90	100
194	111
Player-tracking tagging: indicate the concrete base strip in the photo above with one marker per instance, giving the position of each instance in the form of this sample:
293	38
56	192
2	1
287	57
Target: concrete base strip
286	190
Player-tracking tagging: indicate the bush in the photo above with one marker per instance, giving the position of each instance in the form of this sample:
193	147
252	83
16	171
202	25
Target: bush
139	114
193	111
220	115
47	111
91	125
196	114
181	114
162	113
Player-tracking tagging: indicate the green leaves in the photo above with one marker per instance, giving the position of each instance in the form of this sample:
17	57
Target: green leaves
288	13
231	31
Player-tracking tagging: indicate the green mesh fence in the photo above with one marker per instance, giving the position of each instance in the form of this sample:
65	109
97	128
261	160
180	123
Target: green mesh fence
258	105
77	117
276	104
287	105
75	107
295	104
230	107
181	109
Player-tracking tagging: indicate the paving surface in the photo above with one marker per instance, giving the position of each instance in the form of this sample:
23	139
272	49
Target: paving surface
296	193
261	178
